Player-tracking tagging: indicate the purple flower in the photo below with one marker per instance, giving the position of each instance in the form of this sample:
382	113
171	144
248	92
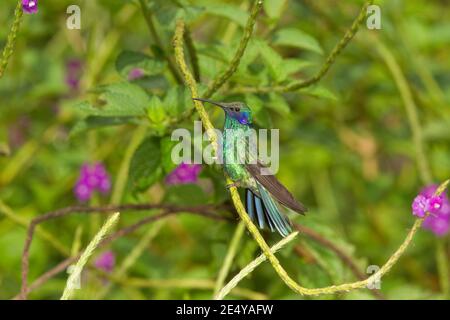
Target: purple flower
106	261
439	225
420	206
30	6
435	204
183	174
92	178
135	73
439	207
73	74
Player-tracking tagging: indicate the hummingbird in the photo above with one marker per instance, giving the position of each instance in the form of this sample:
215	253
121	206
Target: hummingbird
263	192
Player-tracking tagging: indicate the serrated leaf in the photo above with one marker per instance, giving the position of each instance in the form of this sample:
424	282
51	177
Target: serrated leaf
175	100
296	38
117	100
155	111
145	165
128	60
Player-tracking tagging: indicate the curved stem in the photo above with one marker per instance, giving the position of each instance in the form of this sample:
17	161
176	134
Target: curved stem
348	36
151	26
78	268
219	81
190	82
411	110
238	233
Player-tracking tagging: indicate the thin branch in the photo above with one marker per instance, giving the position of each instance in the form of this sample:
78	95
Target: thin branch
346	259
72	281
151	26
348	36
190	82
11	41
411	110
228	261
201	210
192	54
252	266
188	283
223	77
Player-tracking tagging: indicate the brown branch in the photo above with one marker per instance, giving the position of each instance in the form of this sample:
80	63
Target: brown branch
168	209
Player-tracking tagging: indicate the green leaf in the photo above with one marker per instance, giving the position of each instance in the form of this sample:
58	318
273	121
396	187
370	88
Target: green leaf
117	100
95	122
319	92
274	8
273	61
278	104
166	154
228	11
295	65
128	60
145	165
176	100
292	37
155	111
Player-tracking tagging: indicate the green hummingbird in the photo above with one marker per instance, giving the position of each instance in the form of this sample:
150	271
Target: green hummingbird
263	192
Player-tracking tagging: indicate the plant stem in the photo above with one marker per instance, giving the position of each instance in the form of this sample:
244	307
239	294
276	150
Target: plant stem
122	176
192	54
151	26
190	82
443	268
411	110
348	36
232	249
12	36
78	268
252	266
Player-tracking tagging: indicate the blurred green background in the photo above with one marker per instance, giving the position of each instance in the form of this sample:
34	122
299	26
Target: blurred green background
347	148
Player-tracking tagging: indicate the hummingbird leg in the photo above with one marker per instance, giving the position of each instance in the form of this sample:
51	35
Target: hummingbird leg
236	184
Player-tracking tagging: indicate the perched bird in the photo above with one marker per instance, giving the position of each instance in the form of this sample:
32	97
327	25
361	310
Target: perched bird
262	189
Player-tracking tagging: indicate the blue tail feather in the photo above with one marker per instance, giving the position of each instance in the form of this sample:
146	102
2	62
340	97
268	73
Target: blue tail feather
267	212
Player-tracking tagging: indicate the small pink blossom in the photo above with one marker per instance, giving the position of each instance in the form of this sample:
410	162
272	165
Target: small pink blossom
106	261
30	6
92	178
438	221
183	174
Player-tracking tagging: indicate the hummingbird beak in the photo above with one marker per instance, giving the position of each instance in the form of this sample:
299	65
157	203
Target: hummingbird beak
212	102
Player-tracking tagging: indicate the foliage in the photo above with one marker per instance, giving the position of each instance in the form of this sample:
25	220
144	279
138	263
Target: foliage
348	147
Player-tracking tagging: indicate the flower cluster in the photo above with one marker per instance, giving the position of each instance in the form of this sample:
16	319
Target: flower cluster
30	6
92	177
106	261
439	208
184	174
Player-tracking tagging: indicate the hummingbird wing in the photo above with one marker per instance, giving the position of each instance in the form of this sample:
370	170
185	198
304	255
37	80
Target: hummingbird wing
274	187
247	155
